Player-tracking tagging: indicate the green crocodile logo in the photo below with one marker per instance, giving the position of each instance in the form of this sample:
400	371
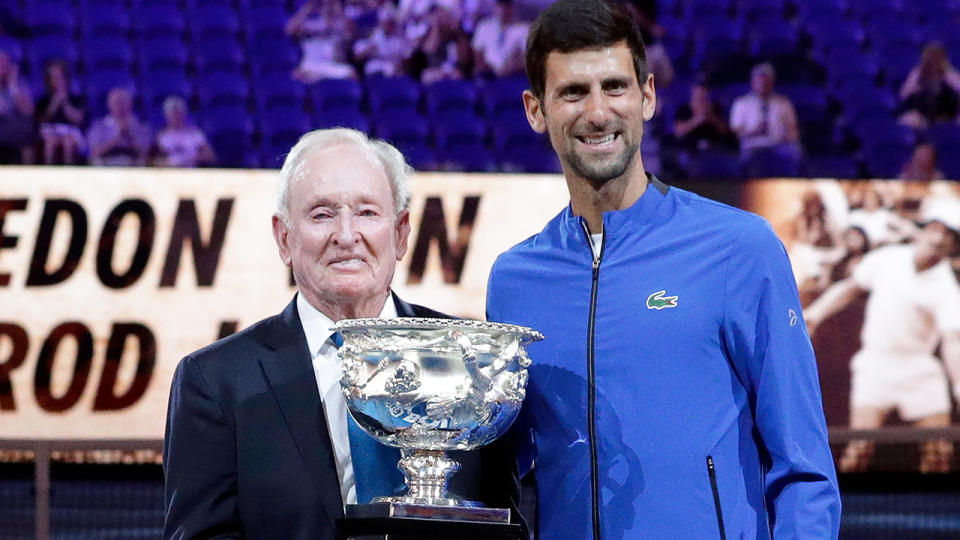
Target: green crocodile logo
657	300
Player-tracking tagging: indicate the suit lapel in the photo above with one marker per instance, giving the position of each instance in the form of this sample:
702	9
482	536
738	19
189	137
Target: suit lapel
289	372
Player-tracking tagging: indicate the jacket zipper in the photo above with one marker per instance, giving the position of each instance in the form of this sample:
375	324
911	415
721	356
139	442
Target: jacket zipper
591	388
716	495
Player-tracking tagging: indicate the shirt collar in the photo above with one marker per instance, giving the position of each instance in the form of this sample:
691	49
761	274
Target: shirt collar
316	325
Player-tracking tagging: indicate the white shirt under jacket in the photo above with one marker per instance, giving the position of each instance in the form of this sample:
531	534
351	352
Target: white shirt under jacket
326	368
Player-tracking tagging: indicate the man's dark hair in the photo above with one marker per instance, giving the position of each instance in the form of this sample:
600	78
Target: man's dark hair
573	25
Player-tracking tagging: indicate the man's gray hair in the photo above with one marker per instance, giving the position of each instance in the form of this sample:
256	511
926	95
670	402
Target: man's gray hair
392	161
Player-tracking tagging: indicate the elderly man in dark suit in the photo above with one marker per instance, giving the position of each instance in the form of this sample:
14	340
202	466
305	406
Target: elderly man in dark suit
258	443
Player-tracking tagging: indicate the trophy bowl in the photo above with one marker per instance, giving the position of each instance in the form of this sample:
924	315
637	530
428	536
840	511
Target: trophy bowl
428	386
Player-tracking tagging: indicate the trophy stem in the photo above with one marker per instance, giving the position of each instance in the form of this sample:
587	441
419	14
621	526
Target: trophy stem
427	473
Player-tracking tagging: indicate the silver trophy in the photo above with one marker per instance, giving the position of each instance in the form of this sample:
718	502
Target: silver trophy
427	386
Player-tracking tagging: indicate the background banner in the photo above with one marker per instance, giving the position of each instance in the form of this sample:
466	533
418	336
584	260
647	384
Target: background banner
109	276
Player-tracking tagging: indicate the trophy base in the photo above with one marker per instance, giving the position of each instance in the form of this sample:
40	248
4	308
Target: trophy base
401	521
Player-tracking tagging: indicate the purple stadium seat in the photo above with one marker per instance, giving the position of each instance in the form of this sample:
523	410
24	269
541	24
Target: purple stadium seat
341	117
280	128
159	84
163	52
387	94
106	20
336	94
218	53
945	137
532	159
768	38
468	156
402	127
108	52
457	129
159	20
51	17
503	97
222	87
265	20
271	91
50	47
714	164
449	96
213	21
832	166
885	159
810	101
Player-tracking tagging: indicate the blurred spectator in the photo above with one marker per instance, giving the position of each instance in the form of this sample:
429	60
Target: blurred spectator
119	138
180	143
17	134
644	12
765	122
445	51
60	114
499	42
880	223
699	125
930	92
922	164
325	34
472	12
363	15
387	48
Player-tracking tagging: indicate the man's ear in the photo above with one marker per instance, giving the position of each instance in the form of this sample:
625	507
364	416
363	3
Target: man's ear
403	233
281	235
534	112
649	91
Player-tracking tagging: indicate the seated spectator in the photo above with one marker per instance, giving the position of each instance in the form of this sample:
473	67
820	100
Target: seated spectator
324	33
119	139
387	48
60	114
444	52
17	135
499	42
930	92
922	164
699	125
180	143
765	122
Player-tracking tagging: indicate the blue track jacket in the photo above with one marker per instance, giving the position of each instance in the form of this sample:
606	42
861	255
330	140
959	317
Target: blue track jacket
675	394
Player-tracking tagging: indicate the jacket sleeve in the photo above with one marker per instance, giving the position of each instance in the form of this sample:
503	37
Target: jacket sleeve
200	490
767	342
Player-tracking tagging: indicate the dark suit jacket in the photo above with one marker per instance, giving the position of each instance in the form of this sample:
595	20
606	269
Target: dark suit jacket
247	452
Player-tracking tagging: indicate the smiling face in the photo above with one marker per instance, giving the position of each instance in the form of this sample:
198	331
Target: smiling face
593	109
343	236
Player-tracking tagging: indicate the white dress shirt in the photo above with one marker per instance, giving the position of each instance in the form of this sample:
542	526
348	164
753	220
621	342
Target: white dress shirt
326	368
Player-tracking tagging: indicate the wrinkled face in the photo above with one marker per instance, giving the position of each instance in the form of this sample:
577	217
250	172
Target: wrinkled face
593	110
343	237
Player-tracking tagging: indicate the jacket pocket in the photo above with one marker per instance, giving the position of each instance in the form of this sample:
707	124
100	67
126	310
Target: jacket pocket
712	472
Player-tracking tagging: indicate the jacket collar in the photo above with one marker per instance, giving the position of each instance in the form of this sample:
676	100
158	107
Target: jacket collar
639	215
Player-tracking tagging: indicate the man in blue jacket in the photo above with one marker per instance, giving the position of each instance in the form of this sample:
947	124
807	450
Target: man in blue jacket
676	393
